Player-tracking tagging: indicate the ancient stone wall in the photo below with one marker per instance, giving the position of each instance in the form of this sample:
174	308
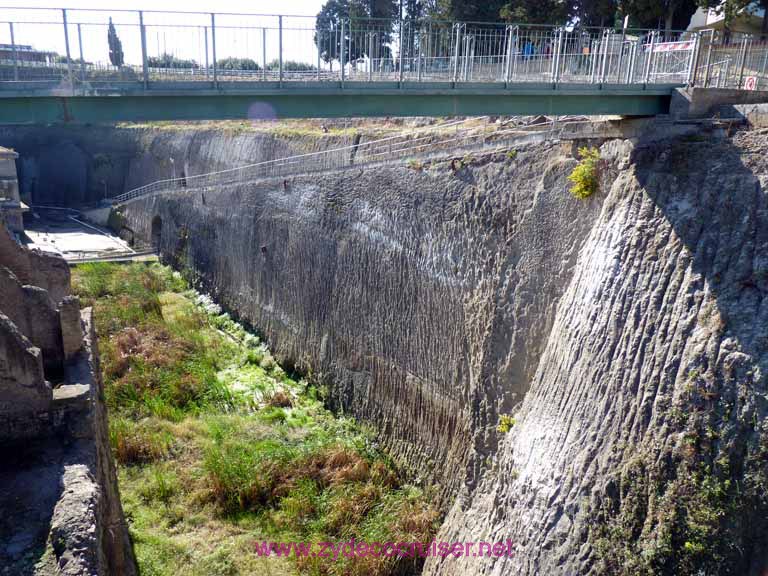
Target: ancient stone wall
23	388
35	268
58	487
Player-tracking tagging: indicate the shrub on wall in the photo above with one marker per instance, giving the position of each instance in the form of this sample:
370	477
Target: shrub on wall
584	177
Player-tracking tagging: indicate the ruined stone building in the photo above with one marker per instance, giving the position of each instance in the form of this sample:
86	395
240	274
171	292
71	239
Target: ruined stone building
59	504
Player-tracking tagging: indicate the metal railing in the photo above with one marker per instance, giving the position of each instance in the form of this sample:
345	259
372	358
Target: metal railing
71	47
415	148
737	61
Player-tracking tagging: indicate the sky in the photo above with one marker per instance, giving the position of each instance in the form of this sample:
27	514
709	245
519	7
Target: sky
299	7
183	35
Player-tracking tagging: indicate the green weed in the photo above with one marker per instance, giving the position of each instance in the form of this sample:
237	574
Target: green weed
584	178
506	422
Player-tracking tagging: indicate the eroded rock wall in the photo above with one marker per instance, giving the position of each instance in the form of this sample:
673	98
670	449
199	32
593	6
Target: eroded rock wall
641	446
73	165
421	297
626	333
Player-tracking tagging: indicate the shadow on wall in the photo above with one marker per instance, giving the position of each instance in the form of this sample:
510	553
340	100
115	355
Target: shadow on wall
710	193
54	175
157	233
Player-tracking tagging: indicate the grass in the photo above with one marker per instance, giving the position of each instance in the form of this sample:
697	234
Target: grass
415	164
291	128
218	448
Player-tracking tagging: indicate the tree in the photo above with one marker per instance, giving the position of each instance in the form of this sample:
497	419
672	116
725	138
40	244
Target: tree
166	60
669	14
115	46
473	10
237	64
535	12
328	28
600	13
291	66
519	11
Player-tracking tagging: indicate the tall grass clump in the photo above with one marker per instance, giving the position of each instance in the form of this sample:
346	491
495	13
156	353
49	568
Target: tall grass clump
158	355
138	442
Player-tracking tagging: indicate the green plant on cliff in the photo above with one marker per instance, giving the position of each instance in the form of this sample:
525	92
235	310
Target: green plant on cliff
584	177
506	422
415	164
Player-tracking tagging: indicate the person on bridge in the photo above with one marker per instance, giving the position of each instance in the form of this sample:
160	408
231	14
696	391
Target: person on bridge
529	50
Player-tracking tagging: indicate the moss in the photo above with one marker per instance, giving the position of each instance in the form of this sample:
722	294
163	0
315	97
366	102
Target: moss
116	220
414	164
683	518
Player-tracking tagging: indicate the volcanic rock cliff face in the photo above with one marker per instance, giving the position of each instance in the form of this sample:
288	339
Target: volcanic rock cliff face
626	333
69	166
410	293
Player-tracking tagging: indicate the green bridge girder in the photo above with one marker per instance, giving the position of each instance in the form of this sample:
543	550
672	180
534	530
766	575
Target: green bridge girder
326	100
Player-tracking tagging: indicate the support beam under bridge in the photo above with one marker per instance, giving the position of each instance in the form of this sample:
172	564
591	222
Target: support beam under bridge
57	106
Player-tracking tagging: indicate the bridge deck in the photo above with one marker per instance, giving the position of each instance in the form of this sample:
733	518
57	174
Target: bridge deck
27	103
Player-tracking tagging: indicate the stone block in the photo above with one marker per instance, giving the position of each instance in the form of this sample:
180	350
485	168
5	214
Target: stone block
71	327
23	388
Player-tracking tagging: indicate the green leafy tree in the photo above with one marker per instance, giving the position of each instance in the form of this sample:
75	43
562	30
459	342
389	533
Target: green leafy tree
600	13
667	14
328	36
473	10
535	12
166	60
290	66
237	64
115	46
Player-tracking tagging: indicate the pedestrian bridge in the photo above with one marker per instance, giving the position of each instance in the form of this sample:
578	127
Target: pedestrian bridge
67	65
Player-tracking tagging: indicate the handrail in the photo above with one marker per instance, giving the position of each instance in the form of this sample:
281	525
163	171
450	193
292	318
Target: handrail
187	179
396	154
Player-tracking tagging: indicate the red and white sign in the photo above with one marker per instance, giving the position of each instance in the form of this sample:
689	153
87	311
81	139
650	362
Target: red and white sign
750	83
685	46
675	46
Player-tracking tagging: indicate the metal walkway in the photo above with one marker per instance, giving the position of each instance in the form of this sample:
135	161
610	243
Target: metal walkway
62	65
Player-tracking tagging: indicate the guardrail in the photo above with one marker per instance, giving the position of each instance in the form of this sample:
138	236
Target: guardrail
85	48
739	61
414	148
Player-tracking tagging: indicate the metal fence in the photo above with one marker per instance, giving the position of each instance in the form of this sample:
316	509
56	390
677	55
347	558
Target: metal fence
415	148
736	61
71	47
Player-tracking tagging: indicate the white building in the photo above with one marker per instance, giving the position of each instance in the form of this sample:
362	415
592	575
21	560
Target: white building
748	21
